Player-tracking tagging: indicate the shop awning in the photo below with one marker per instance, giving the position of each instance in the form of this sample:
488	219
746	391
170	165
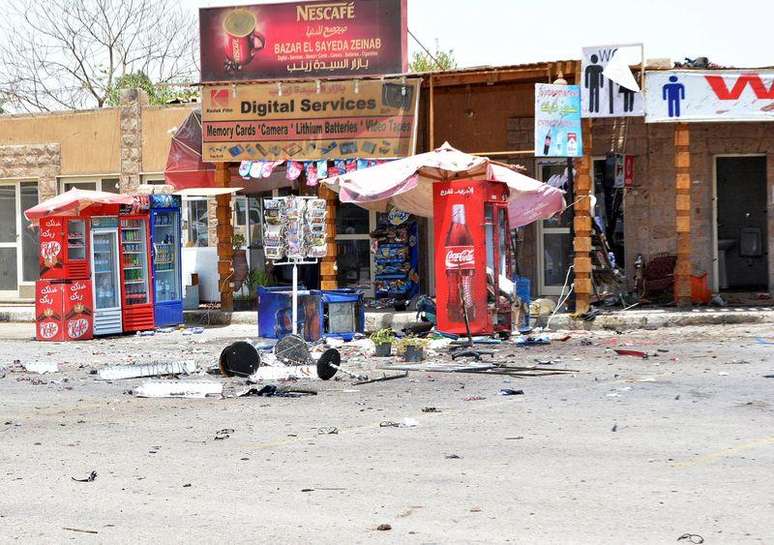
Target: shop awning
185	168
407	185
72	202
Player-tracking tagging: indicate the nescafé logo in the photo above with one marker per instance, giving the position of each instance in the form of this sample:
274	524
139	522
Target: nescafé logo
326	12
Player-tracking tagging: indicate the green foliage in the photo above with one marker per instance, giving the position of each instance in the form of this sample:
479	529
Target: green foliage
417	342
383	336
237	241
255	278
158	94
422	62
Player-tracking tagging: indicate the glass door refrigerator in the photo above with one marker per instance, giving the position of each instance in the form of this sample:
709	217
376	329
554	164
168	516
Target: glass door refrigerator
167	269
135	274
106	285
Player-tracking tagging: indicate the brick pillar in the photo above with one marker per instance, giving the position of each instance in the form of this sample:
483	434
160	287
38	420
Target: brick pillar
770	207
328	267
225	232
683	214
131	105
582	225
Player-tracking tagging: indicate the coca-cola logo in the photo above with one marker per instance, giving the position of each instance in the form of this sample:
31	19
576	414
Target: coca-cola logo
50	250
77	328
460	257
48	330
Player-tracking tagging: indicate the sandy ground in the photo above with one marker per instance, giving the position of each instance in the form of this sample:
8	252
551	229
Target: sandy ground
627	450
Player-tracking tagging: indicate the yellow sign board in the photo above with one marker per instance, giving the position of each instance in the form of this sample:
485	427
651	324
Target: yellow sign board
309	121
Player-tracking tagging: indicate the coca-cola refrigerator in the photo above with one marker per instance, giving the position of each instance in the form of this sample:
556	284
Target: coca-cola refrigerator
472	259
64	248
63	310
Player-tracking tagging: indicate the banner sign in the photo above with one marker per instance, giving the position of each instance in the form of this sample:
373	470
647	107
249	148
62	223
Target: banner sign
557	121
712	95
601	96
303	39
309	121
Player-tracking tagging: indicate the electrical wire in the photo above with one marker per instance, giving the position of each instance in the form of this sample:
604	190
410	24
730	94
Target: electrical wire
562	298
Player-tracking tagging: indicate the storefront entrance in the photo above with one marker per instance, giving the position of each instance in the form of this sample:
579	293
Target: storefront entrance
18	243
554	255
741	224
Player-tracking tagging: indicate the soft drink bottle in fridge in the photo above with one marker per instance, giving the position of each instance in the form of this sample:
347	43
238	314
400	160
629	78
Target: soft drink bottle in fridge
460	266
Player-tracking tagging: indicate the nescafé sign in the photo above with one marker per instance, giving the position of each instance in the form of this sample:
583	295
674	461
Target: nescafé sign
303	39
308	121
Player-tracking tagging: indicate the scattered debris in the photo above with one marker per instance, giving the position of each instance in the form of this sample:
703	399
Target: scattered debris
80	530
283	373
179	388
118	372
41	367
328	430
187	485
453	457
382	378
532	340
92	476
614	428
518	437
430	410
693	538
768	376
225	433
404	423
384	527
586	342
510	392
761	340
737	362
474	398
193	331
272	390
628	352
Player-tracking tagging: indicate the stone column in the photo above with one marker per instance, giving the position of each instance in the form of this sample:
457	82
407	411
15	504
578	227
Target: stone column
131	104
328	269
225	232
683	267
582	225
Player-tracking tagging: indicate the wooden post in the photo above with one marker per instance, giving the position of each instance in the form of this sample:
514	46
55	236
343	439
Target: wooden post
225	231
328	279
582	225
683	267
431	116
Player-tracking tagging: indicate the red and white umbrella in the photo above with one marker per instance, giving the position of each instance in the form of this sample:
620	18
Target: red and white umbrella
72	202
407	184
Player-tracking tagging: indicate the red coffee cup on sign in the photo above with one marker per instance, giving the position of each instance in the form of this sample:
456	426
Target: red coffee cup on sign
242	39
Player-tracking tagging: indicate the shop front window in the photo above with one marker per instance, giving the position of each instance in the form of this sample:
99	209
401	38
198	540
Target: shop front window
353	247
196	223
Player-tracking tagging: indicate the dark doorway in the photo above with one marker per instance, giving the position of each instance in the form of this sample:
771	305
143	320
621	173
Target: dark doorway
742	224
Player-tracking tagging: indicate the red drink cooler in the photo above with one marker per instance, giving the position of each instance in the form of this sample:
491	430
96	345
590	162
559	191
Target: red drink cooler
63	310
64	244
470	257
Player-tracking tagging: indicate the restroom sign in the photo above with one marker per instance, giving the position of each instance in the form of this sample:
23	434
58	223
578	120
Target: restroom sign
601	96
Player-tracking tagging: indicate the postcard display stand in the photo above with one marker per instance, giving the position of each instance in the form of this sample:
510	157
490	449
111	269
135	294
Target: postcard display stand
294	231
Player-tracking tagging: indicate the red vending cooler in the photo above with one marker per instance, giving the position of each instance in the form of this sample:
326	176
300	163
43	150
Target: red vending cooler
472	258
136	295
64	248
63	310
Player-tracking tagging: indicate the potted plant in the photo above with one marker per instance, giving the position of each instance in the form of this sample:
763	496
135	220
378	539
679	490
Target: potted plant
413	348
383	340
238	261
